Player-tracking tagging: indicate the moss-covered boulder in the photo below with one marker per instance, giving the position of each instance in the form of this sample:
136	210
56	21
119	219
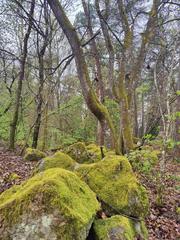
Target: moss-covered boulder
33	154
115	184
143	160
95	153
58	160
54	204
85	154
119	228
78	152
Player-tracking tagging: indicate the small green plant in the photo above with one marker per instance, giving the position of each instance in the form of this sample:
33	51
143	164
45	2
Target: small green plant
143	160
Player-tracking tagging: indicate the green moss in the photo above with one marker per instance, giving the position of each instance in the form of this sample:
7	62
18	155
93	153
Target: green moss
56	194
95	152
178	210
115	184
58	160
13	176
33	154
119	227
178	213
143	160
85	154
78	152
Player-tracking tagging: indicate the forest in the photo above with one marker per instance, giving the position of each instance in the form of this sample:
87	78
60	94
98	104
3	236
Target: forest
89	119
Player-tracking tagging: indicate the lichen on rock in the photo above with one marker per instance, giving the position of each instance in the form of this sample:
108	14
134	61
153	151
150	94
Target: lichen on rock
115	184
33	154
54	204
119	228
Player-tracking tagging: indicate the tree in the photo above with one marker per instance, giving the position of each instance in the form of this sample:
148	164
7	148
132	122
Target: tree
95	106
22	60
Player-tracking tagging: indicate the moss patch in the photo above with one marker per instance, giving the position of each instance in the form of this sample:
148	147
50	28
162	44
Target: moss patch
116	186
13	176
33	154
58	160
95	152
119	227
78	152
57	201
85	154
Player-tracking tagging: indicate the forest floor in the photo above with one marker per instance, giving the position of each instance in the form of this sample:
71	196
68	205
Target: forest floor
162	222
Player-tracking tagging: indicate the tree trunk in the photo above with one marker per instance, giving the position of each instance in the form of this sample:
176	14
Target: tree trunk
108	43
45	129
125	124
95	106
41	52
136	132
142	116
14	122
39	102
98	74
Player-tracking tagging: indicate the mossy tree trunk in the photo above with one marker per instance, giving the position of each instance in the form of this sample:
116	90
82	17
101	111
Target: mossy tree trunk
130	72
14	122
92	101
98	73
125	124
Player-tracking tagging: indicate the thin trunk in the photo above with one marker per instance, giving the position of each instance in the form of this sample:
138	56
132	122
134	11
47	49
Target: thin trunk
136	132
45	130
108	43
14	122
39	103
94	49
142	115
41	52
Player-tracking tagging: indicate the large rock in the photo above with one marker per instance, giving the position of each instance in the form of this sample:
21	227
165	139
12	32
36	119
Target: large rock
95	153
85	154
33	154
78	152
54	205
115	184
58	160
119	228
